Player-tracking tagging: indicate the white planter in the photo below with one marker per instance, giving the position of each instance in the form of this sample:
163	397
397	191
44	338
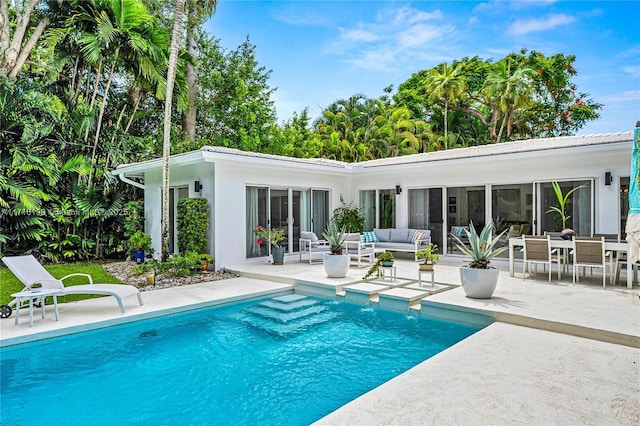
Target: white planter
478	283
336	265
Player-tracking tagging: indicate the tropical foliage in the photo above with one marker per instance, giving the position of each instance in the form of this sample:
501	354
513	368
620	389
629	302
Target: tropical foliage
87	85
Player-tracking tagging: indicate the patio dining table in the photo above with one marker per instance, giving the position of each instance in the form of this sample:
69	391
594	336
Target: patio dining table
613	246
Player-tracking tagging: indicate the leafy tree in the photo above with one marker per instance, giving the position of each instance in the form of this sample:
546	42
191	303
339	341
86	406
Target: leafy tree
234	99
523	95
197	11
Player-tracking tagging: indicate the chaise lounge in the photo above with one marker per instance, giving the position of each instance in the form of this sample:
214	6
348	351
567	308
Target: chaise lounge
29	271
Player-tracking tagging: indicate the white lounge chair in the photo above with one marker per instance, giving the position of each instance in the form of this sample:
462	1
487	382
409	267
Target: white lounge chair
29	271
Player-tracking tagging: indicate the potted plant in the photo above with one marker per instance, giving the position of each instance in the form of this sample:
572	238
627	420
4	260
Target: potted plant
478	278
430	258
36	287
383	259
141	243
335	263
206	260
273	237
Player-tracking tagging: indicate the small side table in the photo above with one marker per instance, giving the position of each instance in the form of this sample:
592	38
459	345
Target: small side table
420	272
388	271
31	295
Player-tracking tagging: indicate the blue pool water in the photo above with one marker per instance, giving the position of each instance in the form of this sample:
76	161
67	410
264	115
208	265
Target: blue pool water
286	360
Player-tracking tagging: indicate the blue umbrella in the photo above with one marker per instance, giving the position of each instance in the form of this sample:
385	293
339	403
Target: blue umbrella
633	221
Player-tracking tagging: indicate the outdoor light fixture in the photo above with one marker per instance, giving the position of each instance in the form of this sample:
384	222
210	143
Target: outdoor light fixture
197	187
398	190
607	178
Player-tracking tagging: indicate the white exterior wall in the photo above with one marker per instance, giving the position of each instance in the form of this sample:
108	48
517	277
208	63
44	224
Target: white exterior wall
225	174
182	175
541	166
232	177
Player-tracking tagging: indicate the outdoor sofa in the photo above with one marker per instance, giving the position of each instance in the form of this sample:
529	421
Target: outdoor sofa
399	239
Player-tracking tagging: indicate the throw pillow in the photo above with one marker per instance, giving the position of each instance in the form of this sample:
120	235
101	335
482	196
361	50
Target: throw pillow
458	231
417	236
371	237
363	240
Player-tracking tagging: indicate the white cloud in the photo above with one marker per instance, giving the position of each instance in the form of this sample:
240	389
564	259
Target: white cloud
634	70
394	36
375	60
418	35
525	26
629	95
359	35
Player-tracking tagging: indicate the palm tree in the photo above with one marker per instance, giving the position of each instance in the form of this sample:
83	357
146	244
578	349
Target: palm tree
445	83
176	35
512	90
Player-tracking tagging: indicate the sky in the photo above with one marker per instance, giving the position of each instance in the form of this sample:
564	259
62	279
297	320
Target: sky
322	51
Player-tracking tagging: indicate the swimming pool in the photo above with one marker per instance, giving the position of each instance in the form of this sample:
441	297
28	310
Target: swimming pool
290	359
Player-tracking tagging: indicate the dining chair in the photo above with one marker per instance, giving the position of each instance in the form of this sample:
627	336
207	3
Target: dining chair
537	249
562	252
621	262
590	251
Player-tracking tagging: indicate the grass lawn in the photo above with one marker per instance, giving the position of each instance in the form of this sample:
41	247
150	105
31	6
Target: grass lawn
10	284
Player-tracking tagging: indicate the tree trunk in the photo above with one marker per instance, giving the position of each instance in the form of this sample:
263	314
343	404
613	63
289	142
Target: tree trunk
176	34
446	123
100	116
14	54
189	116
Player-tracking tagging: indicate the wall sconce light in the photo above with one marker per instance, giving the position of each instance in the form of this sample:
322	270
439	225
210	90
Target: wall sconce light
607	178
398	190
197	187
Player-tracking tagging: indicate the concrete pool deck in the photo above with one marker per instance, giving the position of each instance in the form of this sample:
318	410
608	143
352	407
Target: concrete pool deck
548	359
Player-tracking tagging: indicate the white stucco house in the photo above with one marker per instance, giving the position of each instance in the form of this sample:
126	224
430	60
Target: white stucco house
504	183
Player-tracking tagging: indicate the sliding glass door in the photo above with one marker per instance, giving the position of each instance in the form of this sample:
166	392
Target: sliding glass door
578	208
379	208
257	214
289	209
425	212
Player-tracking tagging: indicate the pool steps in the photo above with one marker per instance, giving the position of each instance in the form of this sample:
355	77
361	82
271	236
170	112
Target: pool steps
287	315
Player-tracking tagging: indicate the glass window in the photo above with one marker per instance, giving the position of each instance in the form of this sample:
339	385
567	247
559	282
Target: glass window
464	205
512	207
624	205
387	202
425	212
368	206
256	215
577	209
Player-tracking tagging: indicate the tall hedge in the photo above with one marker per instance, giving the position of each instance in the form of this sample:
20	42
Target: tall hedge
193	222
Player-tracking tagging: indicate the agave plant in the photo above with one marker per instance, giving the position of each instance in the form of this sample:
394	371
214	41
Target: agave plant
481	247
335	236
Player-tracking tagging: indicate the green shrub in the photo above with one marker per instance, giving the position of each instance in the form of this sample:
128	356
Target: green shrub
140	241
348	217
193	222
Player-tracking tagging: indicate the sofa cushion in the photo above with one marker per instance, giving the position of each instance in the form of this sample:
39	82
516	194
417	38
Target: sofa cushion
396	246
399	235
309	236
382	234
353	236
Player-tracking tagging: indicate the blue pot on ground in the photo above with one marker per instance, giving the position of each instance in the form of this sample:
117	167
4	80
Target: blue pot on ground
278	255
139	257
